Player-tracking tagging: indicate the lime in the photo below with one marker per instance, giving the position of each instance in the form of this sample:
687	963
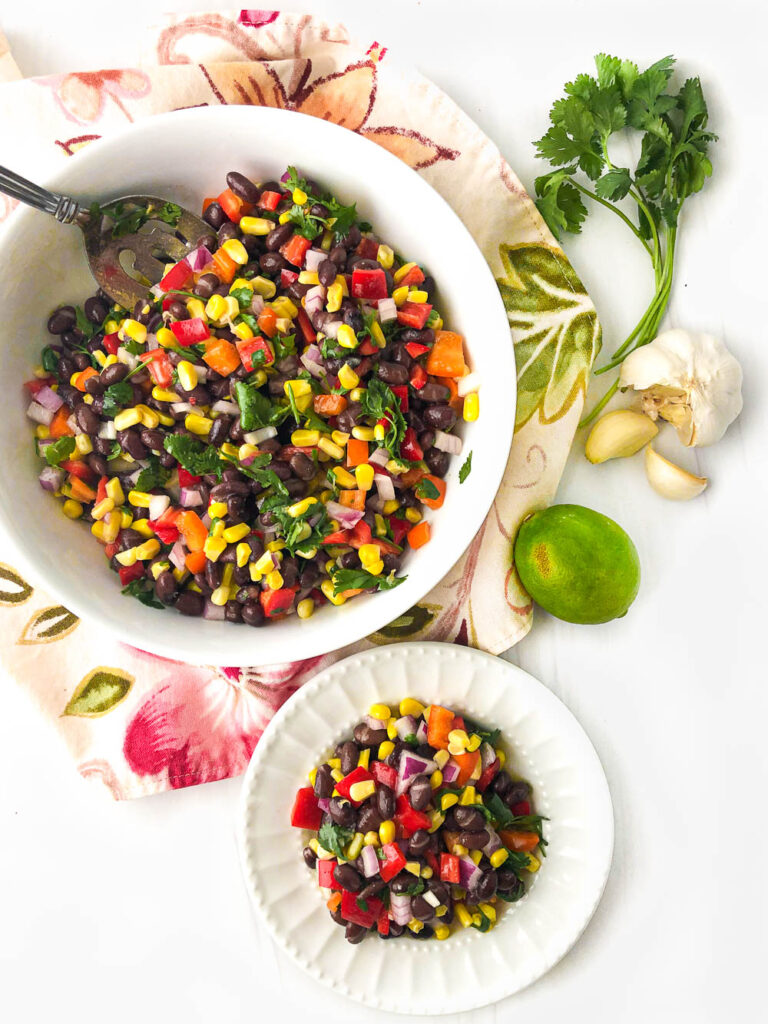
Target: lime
577	564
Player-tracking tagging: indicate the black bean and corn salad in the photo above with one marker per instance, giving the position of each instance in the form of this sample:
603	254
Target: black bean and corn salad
418	827
265	432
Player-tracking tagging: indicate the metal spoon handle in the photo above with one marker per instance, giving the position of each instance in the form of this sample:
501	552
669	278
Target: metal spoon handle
63	208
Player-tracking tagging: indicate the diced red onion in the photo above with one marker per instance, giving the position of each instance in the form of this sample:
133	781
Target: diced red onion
48	398
431	899
373	723
400	905
387	310
206	520
127	358
213	611
108	430
177	555
487	755
375	504
310	361
228	408
156	290
331	328
51	478
406	726
39	413
493	844
285	177
182	407
257	304
466	385
120	465
199	258
414	764
384	486
158	503
468	872
323	803
347	517
72	423
43	443
202	372
313	258
262	434
380	457
447	443
450	772
190	497
370	861
314	301
421	732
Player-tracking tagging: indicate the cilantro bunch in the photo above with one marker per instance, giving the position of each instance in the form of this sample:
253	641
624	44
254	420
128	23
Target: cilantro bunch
673	166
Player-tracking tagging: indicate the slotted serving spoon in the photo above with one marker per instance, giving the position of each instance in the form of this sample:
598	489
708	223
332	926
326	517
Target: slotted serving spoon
153	245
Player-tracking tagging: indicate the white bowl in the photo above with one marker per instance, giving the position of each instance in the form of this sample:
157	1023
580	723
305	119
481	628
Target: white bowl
544	744
185	155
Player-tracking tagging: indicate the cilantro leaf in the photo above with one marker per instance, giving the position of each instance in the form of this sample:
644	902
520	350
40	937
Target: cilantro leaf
116	397
425	489
334	838
380	403
49	359
127	219
243	295
144	591
197	458
152	476
614	184
466	469
59	451
560	202
256	410
84	325
299	532
361	579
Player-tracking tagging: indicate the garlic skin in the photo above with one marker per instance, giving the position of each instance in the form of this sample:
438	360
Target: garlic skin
618	434
669	480
689	379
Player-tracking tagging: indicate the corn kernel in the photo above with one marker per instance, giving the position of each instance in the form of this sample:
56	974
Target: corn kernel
264	287
127	418
327	588
441	758
228	574
448	800
42	431
299	196
477	771
498	857
380	711
97	529
127	558
334	762
409	706
133	329
334	297
274	579
147	550
220	596
215	309
149	417
471	408
217	509
354	848
385	749
364	477
415	925
198	424
386	256
264	563
83	444
533	863
285	308
344	478
442	931
356	394
115	491
325	444
437	820
400	295
360	791
285	217
392	729
312	776
459	850
100	510
474	742
379	432
390	507
337	775
370	553
468	797
363	433
380	525
305	438
347	377
500	756
214	548
196	309
158	568
475	856
276	546
402	272
413	515
166	338
417	295
242	331
308	277
242	554
233	534
377	334
364	758
413	867
142	527
236	251
163	395
255	225
371	839
436	779
346	337
72	509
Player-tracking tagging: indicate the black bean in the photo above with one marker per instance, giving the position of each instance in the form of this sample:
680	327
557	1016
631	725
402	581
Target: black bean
206	286
354	933
61	320
425	337
393	373
95	309
350	417
296	488
441	417
339	255
214	216
178	310
166	587
252	244
400	354
302	466
225	490
279	236
440	889
228	231
432	392
393	758
154	323
365	736
98	464
437	461
348	560
354	318
72	339
81	360
248	593
502	784
86	419
319	210
131	442
420	792
65	369
167	461
310	857
428	286
347	877
102	446
152	438
199	396
327	272
372	888
469	818
190	603
253	613
94	385
518	791
342	812
202	582
369	820
401	882
243	187
484	888
474	840
324	783
233	612
419	842
213	571
507	880
272	262
421	910
385	802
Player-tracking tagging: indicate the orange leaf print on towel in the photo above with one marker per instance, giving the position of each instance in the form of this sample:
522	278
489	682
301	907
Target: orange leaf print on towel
83	96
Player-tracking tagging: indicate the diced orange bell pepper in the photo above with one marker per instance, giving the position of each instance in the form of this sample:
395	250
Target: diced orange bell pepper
80	489
58	426
467	763
222	356
334	902
441	487
267	322
192	529
419	535
346	594
352	499
446	358
195	561
522	842
82	377
224	266
329	405
412	476
439	724
233	205
207	202
357	452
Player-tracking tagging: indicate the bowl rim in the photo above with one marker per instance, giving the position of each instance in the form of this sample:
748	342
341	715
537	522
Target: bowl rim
403	597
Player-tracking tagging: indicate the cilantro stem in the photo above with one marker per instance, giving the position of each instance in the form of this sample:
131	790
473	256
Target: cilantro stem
619	213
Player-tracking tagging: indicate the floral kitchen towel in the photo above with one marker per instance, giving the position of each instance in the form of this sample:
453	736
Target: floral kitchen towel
141	724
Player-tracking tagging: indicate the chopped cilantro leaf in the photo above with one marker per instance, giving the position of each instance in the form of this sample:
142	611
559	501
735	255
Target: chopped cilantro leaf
466	469
144	591
58	451
116	397
361	579
334	838
197	458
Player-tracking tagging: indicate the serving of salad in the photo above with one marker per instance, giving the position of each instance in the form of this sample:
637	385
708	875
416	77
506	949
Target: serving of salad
267	431
417	827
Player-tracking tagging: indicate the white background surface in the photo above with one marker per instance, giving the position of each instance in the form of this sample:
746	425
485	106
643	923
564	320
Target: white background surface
121	912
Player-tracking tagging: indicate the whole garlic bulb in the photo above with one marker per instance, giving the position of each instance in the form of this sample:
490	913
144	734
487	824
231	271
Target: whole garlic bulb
689	379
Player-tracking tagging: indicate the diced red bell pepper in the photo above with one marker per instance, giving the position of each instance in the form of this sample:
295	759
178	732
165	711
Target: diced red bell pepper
433	862
277	602
306	812
418	376
339	537
159	365
400	528
401	390
129	573
368	248
352	911
458	722
111	343
325	875
414	276
407	816
165	526
247	349
190	332
233	205
269	201
384	774
368	348
178	277
410	447
101	489
414	314
382	925
79	469
295	249
110	550
393	863
523	807
487	777
416	349
361	534
305	326
288	277
449	868
369	284
186	479
358	774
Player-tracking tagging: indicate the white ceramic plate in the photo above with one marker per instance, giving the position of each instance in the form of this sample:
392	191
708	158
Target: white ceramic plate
45	265
544	743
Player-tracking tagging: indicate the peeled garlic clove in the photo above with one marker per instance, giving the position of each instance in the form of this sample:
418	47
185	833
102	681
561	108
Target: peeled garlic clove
618	434
669	480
